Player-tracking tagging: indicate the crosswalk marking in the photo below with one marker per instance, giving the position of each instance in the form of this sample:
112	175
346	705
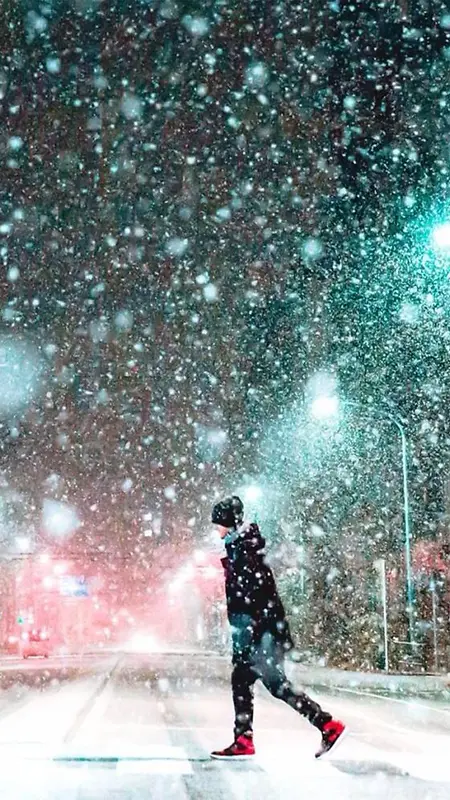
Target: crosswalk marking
170	760
430	764
307	768
424	767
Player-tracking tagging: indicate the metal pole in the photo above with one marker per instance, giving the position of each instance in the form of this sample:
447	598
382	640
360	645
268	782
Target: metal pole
409	581
385	623
406	516
381	566
302	581
435	638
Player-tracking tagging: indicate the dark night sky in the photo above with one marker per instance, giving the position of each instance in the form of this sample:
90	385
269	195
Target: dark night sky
202	208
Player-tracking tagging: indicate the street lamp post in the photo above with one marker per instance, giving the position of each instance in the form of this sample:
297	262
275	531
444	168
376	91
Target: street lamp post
326	406
407	524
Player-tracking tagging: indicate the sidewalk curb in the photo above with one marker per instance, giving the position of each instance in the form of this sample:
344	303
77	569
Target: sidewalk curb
372	682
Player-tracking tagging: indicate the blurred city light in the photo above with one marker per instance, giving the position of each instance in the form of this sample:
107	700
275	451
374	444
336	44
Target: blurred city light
187	572
23	543
22	371
143	643
210	572
440	236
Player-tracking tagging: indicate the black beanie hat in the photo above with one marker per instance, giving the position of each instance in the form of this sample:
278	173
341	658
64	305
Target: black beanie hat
228	513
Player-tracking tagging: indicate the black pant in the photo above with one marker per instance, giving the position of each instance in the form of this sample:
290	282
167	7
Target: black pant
261	656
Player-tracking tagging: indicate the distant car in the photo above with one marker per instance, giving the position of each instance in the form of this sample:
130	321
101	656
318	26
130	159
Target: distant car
35	643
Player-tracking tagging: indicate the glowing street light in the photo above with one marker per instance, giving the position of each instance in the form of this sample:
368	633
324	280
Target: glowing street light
324	403
325	407
322	396
440	236
252	493
251	496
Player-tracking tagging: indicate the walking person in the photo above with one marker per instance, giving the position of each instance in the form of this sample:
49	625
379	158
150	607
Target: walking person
260	633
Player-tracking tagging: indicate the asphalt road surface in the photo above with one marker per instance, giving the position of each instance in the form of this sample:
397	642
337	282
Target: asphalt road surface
136	727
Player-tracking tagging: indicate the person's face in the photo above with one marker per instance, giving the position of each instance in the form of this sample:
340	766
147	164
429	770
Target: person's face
222	531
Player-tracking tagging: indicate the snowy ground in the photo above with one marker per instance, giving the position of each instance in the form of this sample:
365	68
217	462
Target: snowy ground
135	727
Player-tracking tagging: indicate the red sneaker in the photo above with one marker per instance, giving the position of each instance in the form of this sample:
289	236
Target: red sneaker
242	748
333	732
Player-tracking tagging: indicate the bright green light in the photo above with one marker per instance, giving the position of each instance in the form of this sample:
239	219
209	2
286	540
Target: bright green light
325	407
440	236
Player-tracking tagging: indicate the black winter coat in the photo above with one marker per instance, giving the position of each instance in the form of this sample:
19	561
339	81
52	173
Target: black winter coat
250	585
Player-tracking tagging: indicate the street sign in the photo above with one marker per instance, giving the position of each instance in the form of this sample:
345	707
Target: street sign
73	586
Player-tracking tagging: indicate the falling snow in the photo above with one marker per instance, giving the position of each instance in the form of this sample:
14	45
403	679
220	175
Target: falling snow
256	75
197	26
225	260
59	519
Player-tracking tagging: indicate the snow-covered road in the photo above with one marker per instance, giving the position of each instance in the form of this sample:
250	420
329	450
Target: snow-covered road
132	728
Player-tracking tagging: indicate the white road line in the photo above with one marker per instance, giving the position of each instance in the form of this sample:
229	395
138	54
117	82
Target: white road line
121	750
96	714
45	717
155	767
